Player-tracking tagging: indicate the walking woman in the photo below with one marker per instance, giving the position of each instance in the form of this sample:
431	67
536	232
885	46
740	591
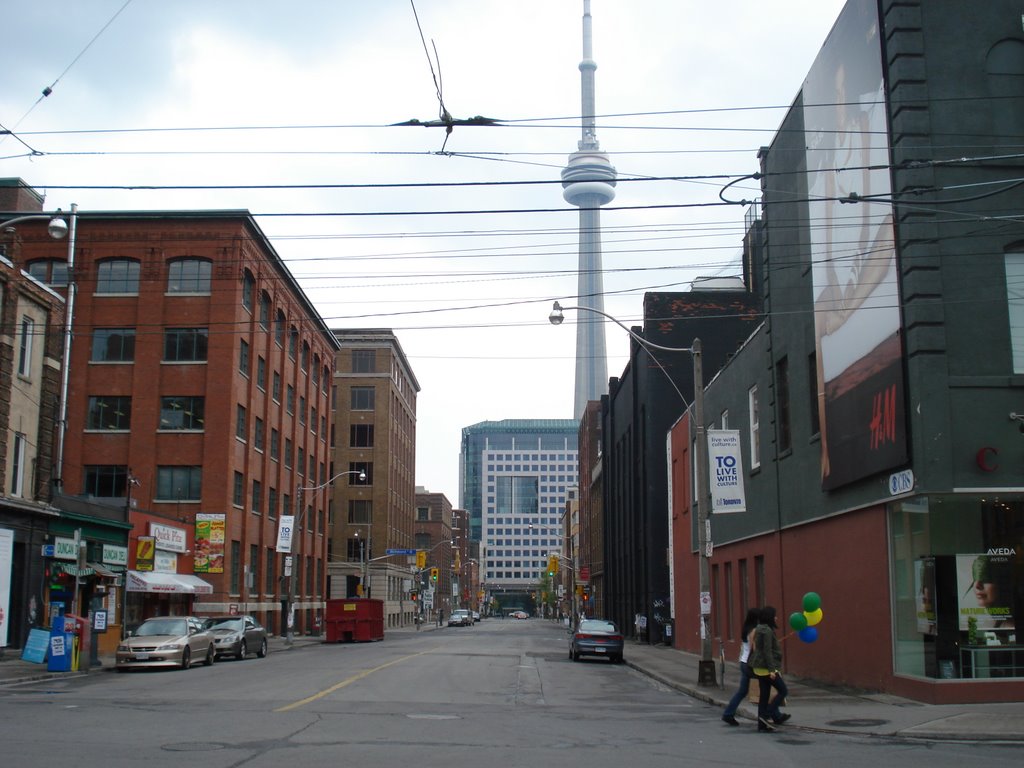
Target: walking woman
765	662
749	624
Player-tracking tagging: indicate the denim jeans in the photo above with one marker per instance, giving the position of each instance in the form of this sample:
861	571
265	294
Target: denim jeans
770	711
741	692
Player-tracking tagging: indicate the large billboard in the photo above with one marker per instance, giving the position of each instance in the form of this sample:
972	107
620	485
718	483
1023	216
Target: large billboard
856	291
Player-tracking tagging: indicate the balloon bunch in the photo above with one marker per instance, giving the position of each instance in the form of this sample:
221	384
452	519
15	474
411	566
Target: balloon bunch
805	624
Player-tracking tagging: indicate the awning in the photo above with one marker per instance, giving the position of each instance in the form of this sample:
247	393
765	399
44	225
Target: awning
167	583
106	571
72	570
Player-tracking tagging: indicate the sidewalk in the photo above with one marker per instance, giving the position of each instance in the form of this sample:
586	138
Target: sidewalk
814	707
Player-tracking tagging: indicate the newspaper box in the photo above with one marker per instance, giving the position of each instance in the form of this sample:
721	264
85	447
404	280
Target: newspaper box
356	619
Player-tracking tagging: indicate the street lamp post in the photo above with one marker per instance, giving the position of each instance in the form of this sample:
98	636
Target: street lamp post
286	549
58	229
706	667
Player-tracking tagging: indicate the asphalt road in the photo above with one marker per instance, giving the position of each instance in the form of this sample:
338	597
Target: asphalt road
501	694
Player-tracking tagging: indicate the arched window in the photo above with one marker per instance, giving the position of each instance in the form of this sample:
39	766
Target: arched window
189	275
304	362
293	341
264	315
117	276
279	328
248	287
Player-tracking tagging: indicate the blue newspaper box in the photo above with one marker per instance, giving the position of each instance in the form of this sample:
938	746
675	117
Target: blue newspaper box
62	643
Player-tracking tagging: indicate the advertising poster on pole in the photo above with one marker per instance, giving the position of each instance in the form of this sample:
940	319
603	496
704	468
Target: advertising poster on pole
284	533
209	556
726	471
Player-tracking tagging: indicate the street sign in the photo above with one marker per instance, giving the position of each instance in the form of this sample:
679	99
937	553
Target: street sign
400	551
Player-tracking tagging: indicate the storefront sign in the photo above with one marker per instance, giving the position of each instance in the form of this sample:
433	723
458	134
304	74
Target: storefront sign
65	549
901	482
168	537
115	555
145	551
726	470
165	562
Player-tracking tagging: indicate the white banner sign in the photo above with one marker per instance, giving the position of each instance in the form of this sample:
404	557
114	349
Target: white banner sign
726	471
284	533
6	564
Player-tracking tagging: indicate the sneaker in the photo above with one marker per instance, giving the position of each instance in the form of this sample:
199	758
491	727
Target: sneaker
782	718
764	726
730	720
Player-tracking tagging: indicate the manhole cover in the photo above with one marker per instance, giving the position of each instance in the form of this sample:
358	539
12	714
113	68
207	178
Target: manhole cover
865	722
193	746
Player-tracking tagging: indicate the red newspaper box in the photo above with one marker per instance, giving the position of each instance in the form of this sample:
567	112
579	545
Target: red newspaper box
355	619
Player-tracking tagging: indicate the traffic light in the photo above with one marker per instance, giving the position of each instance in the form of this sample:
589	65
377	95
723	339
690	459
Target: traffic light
433	574
552	565
421	558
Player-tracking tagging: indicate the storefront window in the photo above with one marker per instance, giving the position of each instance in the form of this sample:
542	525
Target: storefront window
958	585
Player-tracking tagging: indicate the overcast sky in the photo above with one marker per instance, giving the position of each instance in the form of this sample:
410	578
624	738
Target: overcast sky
249	93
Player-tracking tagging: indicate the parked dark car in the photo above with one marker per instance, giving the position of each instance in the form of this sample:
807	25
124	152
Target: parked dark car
596	637
237	636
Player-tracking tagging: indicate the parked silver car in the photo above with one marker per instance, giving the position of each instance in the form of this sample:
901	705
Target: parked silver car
237	636
167	641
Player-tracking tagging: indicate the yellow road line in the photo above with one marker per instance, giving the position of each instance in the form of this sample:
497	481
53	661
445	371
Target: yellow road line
347	681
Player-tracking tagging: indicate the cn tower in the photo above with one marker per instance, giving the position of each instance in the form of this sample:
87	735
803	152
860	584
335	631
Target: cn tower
588	182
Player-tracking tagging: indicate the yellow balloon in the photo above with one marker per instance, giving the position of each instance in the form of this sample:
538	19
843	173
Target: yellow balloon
813	617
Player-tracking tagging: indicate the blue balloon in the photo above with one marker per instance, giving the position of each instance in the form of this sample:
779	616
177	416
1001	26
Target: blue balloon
809	634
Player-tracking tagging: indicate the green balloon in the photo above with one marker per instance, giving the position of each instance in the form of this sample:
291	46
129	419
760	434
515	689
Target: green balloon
812	602
797	621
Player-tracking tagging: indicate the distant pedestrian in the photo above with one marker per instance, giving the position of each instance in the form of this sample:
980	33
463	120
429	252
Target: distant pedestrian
765	661
440	618
749	625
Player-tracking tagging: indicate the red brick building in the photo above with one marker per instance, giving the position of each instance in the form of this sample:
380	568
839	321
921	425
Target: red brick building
200	396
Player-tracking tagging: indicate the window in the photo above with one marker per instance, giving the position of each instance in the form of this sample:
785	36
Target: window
188	276
301	465
286	504
302	410
289	403
258	434
782	403
422	514
113	345
316	372
264	313
117	276
257	497
109	412
248	287
184	412
275	390
755	436
261	373
275	444
53	272
185	345
179	483
355	467
236	567
304	360
293	341
28	329
105	480
812	389
326	380
364	360
18	465
238	496
362	398
361	436
313	419
279	324
254	563
360	511
243	358
1014	265
287	453
241	423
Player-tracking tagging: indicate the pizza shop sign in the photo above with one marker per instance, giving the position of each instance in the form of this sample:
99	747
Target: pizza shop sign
168	537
